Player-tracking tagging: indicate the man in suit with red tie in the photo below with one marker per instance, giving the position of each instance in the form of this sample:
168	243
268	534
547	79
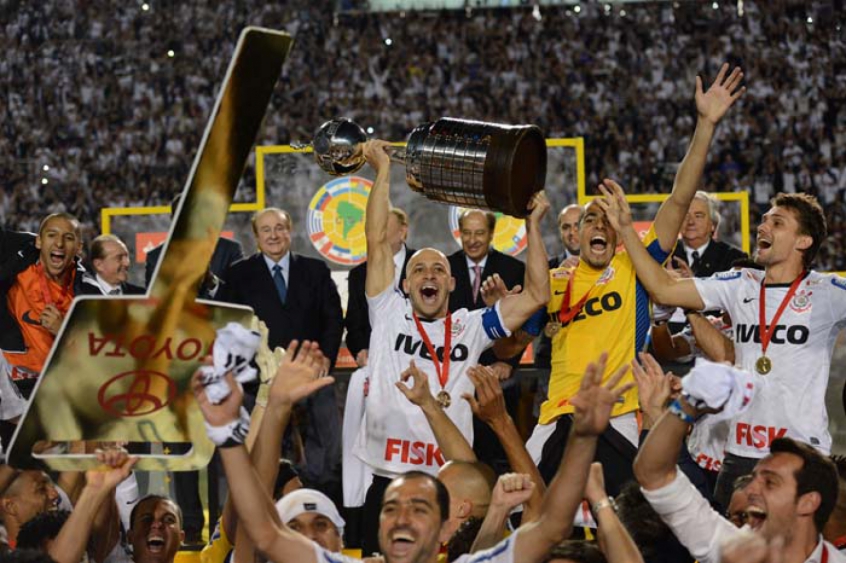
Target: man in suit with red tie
475	262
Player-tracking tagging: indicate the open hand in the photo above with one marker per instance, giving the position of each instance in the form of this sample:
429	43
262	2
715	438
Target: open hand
595	487
493	289
614	204
654	387
489	403
299	373
594	401
713	104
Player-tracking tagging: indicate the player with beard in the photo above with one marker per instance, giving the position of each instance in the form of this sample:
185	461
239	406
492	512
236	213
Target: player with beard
790	497
395	437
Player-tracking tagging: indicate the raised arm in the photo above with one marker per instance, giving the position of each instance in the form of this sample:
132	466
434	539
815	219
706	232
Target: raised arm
256	512
515	309
655	464
614	540
511	490
451	441
663	287
593	404
489	406
380	260
295	379
69	546
711	106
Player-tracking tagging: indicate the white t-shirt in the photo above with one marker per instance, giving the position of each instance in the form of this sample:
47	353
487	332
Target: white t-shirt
395	436
791	402
503	552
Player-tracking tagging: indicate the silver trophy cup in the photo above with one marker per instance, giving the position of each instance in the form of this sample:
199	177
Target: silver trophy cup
467	163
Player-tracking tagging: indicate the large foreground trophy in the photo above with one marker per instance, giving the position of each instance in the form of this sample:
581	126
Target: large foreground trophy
467	163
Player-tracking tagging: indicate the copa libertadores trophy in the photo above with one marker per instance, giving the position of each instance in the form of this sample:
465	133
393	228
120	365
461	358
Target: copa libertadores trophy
467	163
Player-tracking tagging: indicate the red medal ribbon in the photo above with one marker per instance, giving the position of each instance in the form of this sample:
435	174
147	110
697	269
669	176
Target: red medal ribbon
443	374
566	314
765	331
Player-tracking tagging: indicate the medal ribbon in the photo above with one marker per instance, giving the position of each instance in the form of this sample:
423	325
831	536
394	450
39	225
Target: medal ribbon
767	332
566	314
441	369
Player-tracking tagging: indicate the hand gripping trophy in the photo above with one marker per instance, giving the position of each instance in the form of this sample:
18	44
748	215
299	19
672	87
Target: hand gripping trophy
467	163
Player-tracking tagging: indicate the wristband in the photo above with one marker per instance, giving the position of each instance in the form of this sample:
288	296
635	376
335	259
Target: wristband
676	409
606	502
232	434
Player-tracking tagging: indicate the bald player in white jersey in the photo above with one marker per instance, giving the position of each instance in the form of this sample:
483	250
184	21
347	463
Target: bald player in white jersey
395	437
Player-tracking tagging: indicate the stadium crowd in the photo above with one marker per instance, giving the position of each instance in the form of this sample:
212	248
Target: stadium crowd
627	463
93	94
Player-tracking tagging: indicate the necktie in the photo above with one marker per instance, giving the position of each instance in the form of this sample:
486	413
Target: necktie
477	281
696	262
115	291
279	281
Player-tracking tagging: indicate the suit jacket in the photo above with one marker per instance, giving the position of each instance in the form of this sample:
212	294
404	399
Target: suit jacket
91	287
357	321
716	258
226	253
512	272
312	309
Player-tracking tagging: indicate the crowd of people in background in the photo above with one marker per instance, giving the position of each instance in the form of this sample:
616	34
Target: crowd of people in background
93	94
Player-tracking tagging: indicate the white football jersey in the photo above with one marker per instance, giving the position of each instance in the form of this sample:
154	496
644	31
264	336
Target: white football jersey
395	436
791	402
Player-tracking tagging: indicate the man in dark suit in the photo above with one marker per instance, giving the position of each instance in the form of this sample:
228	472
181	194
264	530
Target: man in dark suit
297	299
699	250
109	260
357	321
470	266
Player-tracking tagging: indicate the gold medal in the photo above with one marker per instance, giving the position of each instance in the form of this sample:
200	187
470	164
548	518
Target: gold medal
763	365
552	328
444	399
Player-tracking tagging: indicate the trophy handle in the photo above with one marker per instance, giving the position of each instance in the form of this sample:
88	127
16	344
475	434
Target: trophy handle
398	154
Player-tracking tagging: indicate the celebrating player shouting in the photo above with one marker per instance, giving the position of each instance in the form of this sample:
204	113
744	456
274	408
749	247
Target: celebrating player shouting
395	437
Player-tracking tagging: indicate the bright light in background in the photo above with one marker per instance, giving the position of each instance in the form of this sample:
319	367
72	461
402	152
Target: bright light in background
44	181
370	130
170	53
715	6
810	19
388	41
536	12
607	8
622	13
577	9
45	167
145	7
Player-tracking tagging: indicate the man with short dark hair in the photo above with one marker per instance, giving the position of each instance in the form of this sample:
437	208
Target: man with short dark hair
155	530
39	277
792	493
29	494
